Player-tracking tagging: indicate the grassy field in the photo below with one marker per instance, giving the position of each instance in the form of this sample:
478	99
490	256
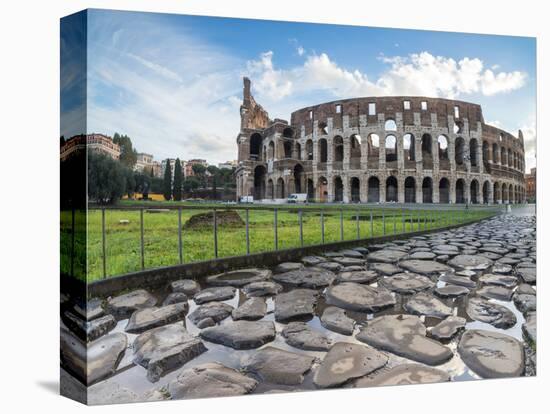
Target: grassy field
123	249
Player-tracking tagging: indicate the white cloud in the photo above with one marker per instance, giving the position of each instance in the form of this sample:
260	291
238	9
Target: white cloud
416	74
156	68
300	50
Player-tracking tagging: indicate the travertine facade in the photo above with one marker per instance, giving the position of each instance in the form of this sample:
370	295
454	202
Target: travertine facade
379	149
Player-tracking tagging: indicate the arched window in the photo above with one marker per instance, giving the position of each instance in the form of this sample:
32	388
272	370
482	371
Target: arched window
338	189
473	152
391	148
408	147
255	146
355	151
459	151
309	149
390	125
391	189
373	190
323	150
410	190
338	145
288	133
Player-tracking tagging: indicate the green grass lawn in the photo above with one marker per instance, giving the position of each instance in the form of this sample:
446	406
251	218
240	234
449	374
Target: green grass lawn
123	249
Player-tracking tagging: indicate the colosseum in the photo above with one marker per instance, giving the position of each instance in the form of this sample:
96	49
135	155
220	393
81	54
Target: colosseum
404	149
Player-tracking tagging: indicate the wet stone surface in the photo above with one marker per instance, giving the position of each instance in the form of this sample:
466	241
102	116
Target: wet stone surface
450	305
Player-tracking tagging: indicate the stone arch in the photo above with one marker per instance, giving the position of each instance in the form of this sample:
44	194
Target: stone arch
427	156
288	132
496	153
510	194
473	153
373	147
373	195
280	191
255	146
496	193
298	151
460	191
408	150
287	149
427	190
338	189
309	150
503	159
504	190
310	189
474	191
298	174
323	150
410	190
391	189
270	190
355	185
338	148
259	182
271	150
459	151
509	157
444	191
390	125
355	151
390	143
485	152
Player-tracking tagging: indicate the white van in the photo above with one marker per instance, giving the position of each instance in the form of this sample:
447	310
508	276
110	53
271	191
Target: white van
246	199
297	198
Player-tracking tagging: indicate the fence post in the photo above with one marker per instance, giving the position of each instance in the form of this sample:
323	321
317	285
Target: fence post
103	248
403	221
275	229
247	233
180	240
383	222
341	225
142	244
322	227
301	228
371	225
425	219
215	219
394	218
357	225
72	241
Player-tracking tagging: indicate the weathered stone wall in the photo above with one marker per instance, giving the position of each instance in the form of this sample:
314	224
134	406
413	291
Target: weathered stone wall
329	151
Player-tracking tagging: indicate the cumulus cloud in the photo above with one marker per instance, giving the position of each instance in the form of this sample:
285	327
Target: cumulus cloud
415	74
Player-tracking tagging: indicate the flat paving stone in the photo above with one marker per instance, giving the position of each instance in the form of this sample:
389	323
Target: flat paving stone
238	278
404	335
212	311
352	253
209	380
526	289
175	297
90	309
260	289
287	267
499	280
427	305
451	291
336	319
298	303
310	277
300	335
277	366
357	297
94	361
529	327
448	328
387	269
149	318
527	274
470	262
492	354
164	349
214	294
425	267
330	266
406	283
89	330
403	375
346	361
251	309
495	292
110	393
422	256
359	276
386	256
484	311
453	279
313	260
122	306
525	303
349	261
241	334
187	286
502	268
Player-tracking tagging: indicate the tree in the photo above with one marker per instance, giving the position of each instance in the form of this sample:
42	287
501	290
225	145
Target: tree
106	179
190	184
167	182
177	180
199	170
130	182
128	155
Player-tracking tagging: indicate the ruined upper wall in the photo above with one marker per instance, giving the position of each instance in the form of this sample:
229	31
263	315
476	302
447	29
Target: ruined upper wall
253	116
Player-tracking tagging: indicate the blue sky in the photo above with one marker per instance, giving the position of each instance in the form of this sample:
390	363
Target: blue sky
174	82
